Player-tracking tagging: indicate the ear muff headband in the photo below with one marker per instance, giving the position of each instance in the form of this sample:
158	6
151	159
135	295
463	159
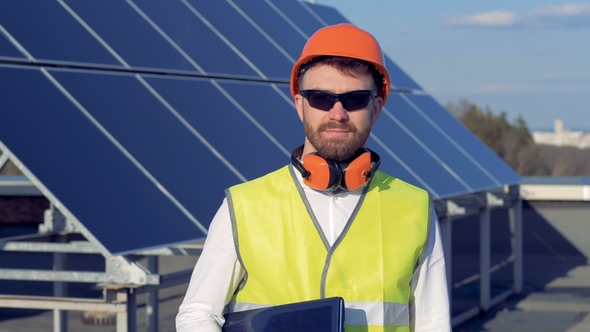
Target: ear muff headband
328	175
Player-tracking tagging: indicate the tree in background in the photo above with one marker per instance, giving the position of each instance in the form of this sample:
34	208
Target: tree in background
513	142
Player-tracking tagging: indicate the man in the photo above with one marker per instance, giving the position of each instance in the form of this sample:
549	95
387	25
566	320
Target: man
330	224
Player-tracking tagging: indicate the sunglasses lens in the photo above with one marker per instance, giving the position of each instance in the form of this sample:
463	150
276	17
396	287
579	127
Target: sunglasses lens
320	100
355	100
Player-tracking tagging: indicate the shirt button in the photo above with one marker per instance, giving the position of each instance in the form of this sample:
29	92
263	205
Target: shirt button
335	198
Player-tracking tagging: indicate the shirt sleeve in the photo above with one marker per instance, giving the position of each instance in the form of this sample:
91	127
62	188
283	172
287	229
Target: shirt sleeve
429	304
214	279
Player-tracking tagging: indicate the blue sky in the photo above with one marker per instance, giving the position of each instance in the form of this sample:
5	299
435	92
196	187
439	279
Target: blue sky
523	57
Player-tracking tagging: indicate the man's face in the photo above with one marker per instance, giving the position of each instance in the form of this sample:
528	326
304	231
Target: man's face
336	134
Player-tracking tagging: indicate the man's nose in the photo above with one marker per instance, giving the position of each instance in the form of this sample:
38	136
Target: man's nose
338	112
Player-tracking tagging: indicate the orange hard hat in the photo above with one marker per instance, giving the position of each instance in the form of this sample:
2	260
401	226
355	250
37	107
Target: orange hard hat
345	40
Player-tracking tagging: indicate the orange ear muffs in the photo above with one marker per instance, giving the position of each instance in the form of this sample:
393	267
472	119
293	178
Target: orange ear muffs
324	174
328	175
356	174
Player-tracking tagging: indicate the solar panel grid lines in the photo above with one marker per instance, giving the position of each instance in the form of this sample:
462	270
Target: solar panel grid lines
16	43
245	37
252	119
168	39
123	150
287	19
94	34
225	40
468	141
298	15
427	149
262	32
283	95
313	13
404	165
192	129
450	139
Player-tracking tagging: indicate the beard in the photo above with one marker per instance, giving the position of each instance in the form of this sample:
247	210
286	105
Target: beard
336	148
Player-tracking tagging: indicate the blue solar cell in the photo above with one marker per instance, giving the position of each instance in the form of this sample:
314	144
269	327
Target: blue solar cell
155	137
274	112
330	15
399	79
87	173
265	56
471	173
215	117
391	166
191	34
48	32
7	50
274	25
466	139
130	35
298	15
416	158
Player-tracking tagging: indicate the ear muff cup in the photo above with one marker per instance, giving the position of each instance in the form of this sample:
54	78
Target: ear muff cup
329	175
324	174
355	174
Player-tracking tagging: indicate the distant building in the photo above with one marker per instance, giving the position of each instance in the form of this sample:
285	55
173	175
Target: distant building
562	137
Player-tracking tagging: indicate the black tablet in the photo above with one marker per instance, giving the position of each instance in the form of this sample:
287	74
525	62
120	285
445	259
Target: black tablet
325	315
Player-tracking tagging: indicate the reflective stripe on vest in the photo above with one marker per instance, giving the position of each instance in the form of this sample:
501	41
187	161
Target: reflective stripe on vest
288	259
357	313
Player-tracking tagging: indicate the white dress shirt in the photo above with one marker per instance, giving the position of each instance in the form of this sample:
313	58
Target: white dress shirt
218	271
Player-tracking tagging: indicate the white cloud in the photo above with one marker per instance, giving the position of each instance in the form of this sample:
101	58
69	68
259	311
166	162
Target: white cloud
568	15
493	19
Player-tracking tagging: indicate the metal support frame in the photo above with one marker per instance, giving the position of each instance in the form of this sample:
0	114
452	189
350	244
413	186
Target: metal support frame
482	204
516	224
484	259
60	289
152	298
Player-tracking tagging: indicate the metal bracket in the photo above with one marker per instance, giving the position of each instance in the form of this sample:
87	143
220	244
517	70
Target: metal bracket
493	200
121	270
55	221
453	209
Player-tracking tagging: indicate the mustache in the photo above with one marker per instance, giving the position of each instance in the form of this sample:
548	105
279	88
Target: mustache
336	125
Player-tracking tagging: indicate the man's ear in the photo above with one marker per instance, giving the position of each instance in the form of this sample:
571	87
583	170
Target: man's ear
299	105
377	106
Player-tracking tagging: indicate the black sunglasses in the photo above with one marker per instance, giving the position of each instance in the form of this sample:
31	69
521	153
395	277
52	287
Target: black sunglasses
351	101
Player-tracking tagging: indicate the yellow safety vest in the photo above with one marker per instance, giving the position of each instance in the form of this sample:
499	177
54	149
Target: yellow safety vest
288	259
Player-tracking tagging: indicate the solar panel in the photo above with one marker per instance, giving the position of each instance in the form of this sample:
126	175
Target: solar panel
330	15
190	33
449	153
394	134
8	51
132	37
493	164
249	41
297	14
274	110
232	131
84	169
274	25
49	33
155	136
129	153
